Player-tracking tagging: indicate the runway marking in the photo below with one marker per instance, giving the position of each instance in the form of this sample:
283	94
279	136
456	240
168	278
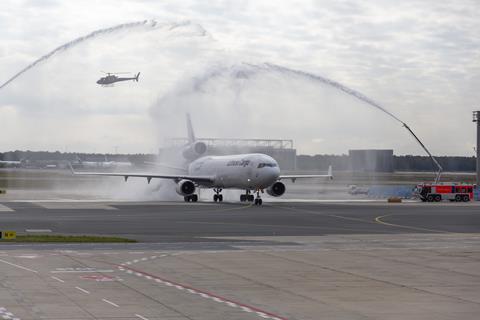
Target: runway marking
18	266
192	290
380	221
377	220
4	314
83	290
139	316
79	270
58	279
38	230
110	302
56	205
28	256
4	208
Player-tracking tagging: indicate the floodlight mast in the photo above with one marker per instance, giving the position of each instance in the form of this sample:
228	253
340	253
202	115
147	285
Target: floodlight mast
440	169
476	118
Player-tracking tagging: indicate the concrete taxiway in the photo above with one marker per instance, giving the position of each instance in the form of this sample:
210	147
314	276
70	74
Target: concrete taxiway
284	260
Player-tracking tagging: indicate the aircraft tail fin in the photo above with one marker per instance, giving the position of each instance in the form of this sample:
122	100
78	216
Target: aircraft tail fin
136	77
191	134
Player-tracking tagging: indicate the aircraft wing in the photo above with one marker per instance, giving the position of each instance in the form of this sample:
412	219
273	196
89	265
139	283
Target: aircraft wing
329	175
165	165
148	176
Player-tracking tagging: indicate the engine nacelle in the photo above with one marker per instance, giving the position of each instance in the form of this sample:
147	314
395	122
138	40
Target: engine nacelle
276	189
185	187
194	150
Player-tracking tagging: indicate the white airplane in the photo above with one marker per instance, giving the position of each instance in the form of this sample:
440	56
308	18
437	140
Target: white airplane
11	163
253	172
106	164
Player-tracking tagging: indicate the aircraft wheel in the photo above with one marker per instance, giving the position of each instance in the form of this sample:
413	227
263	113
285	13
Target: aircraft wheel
215	197
250	197
194	197
260	202
220	198
186	198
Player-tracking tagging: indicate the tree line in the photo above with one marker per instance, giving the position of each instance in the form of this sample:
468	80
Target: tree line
304	162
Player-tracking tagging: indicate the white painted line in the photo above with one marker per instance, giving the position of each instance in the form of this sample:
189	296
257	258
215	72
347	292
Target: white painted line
83	290
139	316
16	265
5	208
58	279
38	230
110	302
206	295
4	314
80	271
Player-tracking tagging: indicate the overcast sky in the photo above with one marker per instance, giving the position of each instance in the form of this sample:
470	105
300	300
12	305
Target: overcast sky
418	59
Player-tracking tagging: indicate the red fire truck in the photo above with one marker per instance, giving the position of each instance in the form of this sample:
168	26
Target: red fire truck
431	192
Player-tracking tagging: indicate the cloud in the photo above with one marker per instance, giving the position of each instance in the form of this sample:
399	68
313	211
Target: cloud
420	59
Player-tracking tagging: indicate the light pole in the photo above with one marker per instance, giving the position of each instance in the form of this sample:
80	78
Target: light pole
476	118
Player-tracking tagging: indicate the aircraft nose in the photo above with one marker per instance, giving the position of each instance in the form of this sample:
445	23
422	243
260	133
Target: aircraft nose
270	175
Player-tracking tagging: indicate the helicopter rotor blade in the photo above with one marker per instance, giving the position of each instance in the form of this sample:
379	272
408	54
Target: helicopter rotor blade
116	72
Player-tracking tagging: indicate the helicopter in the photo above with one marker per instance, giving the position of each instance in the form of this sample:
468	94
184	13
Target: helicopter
111	78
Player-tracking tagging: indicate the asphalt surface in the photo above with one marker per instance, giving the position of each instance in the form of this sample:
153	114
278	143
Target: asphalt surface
179	222
284	260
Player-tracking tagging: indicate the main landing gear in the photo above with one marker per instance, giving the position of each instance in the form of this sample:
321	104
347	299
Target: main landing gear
217	196
246	197
251	198
192	198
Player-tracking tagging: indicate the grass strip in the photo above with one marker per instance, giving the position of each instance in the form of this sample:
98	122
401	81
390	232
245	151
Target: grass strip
67	239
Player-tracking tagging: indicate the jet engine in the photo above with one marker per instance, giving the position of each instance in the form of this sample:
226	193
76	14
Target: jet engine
185	187
276	189
194	150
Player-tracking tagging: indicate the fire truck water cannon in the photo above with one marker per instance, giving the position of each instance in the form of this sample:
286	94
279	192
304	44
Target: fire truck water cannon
440	169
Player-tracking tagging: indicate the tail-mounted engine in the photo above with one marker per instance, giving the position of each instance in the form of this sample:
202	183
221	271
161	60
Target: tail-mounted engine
194	150
185	187
276	189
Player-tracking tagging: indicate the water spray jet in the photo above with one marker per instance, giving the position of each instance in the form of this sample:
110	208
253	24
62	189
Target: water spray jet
149	24
247	70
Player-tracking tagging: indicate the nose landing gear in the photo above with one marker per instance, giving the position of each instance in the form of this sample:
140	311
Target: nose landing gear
258	199
217	196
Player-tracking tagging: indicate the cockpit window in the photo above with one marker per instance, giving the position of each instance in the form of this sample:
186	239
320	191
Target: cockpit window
264	164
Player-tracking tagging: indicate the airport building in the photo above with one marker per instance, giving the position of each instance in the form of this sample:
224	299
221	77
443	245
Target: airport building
371	160
280	149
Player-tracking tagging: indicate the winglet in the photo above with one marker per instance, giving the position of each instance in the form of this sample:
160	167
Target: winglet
191	135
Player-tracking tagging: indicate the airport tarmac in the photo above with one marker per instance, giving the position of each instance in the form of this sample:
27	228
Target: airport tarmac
284	260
